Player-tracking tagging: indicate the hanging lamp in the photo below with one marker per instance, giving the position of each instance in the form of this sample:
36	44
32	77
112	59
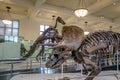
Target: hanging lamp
82	10
86	32
7	16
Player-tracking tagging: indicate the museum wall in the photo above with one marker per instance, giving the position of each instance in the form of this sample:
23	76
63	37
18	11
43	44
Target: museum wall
29	28
9	50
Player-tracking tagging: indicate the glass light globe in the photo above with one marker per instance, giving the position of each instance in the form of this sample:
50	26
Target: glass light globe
7	21
81	12
86	32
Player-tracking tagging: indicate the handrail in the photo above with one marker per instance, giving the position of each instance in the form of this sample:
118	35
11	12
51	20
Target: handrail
30	63
16	59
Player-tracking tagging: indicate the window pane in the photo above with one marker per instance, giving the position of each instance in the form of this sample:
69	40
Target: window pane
2	38
47	41
11	38
6	38
1	31
41	27
15	24
15	39
8	25
8	31
15	32
41	33
1	23
46	27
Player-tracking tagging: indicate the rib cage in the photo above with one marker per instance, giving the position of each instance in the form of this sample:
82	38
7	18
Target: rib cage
95	38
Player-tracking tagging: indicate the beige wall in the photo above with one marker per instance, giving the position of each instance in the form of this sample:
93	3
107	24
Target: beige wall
29	28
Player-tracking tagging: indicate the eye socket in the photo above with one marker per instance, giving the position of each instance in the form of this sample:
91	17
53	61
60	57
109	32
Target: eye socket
62	49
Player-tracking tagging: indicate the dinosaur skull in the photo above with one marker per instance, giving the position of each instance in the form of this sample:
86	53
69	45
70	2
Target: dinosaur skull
60	54
71	40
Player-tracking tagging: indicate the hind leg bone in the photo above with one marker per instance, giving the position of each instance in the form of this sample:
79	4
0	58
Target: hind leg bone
96	69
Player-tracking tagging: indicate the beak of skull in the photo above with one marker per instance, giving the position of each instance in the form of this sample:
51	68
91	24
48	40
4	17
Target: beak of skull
59	55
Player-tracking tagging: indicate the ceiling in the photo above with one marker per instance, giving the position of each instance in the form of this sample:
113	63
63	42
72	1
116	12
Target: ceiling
102	13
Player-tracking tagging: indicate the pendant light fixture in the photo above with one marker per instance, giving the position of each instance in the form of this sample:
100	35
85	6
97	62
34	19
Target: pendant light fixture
7	16
82	10
110	28
86	32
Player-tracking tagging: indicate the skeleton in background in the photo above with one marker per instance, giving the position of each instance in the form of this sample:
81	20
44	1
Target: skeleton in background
75	45
49	34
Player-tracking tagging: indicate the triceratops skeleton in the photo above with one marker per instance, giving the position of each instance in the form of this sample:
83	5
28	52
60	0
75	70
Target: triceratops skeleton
75	45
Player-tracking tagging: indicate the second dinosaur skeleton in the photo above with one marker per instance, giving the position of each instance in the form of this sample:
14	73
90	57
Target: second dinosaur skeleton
75	45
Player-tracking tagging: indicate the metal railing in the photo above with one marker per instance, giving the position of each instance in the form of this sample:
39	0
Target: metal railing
16	65
27	66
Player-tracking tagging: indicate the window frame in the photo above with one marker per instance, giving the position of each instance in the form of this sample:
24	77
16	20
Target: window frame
12	28
45	27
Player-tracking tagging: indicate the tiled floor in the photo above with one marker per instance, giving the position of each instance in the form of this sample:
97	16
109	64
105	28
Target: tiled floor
104	75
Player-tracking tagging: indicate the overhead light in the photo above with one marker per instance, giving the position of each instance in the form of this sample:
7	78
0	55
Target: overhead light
82	10
110	28
7	21
53	20
86	32
7	16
